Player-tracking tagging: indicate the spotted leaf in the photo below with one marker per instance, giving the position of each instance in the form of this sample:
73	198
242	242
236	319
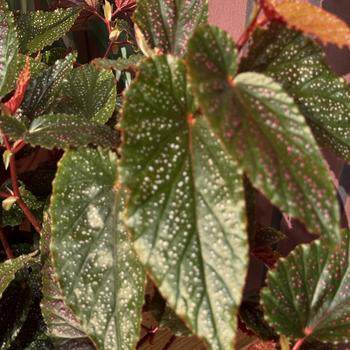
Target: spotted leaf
8	49
43	90
310	19
119	64
186	208
60	130
167	25
38	29
307	295
9	268
62	325
262	128
101	279
299	65
89	93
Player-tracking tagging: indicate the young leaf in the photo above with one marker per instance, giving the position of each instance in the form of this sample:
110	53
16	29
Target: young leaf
89	93
307	294
8	49
38	29
101	279
43	90
9	268
186	207
60	130
119	64
167	27
261	126
63	327
299	65
310	19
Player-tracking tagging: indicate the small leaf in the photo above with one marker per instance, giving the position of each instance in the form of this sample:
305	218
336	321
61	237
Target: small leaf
9	268
43	90
167	27
107	10
310	19
101	279
89	93
38	29
262	128
6	156
299	65
8	49
186	207
8	202
307	294
119	64
61	130
63	327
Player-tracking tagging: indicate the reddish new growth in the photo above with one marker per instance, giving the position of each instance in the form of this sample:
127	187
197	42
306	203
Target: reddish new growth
13	104
124	6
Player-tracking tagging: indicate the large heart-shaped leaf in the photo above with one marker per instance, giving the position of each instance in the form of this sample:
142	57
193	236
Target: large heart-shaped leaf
38	29
168	25
187	204
101	279
43	90
88	92
299	65
62	325
307	295
263	129
60	130
310	19
8	49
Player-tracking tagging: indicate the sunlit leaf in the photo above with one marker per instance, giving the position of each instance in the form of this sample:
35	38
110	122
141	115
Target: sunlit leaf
310	19
186	207
119	64
307	294
38	29
8	49
299	65
262	128
60	130
89	93
43	90
101	279
167	26
63	327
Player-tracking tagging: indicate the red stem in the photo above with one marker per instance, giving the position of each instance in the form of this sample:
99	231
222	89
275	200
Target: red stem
6	245
18	147
298	344
249	30
4	195
29	215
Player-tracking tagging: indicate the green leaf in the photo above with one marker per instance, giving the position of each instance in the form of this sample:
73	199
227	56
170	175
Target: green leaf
262	128
101	279
38	29
168	26
307	295
119	64
298	64
63	327
8	49
60	130
186	207
89	93
9	268
43	90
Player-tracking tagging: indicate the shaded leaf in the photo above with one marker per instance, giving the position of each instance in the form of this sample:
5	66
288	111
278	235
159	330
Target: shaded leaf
60	130
43	90
119	64
38	29
267	236
168	26
307	294
89	93
8	49
186	207
63	327
310	19
9	268
299	65
262	128
101	279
